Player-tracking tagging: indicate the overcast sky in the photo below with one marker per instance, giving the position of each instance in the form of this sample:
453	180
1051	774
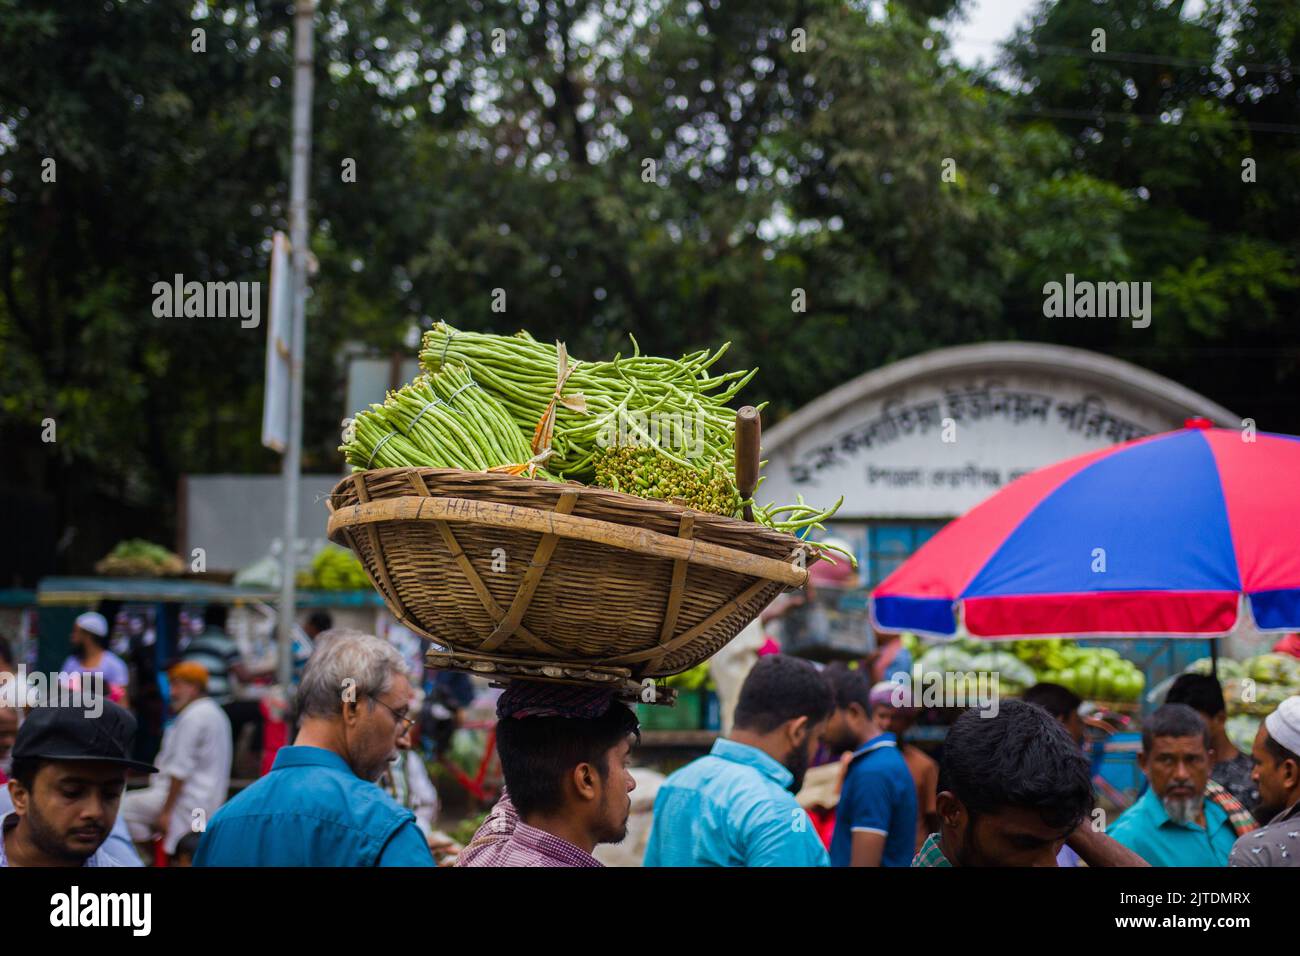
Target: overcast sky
988	23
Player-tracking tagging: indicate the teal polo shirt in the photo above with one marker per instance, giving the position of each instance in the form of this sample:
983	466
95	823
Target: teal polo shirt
1146	829
312	810
732	808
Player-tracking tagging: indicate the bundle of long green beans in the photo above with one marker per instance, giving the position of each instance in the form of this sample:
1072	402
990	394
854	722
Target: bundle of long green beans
511	403
599	399
438	421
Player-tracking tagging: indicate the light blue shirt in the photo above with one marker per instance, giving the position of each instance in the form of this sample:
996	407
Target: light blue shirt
732	808
312	810
1145	828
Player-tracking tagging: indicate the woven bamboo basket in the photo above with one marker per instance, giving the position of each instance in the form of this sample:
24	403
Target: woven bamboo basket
516	577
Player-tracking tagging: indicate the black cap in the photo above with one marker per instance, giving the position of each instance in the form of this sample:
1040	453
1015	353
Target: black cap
68	733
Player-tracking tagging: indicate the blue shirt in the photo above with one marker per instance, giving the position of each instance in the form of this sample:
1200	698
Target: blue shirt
1145	828
312	810
731	808
878	796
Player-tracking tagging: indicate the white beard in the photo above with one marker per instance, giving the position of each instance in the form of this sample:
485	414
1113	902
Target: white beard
1182	809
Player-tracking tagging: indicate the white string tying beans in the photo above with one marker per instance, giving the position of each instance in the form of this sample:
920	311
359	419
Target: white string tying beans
380	444
438	401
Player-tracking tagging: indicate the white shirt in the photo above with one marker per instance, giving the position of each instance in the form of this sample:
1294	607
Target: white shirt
196	748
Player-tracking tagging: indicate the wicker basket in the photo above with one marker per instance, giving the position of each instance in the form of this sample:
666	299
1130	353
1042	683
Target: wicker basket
521	577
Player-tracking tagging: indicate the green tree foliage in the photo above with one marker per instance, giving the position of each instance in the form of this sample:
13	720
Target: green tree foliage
1172	111
680	170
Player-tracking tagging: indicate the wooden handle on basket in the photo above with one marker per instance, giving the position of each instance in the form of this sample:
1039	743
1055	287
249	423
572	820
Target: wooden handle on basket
748	430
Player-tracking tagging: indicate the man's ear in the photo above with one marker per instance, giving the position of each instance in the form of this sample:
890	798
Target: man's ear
18	794
797	730
586	781
351	712
1290	773
951	810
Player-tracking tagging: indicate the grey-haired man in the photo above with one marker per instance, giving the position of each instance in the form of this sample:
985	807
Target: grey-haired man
319	805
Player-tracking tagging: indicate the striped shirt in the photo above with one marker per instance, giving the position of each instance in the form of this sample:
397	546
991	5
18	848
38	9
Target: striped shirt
218	653
505	840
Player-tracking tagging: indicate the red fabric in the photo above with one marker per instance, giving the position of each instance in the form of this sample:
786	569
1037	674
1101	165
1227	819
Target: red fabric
275	734
1259	481
1105	612
963	547
1290	644
824	823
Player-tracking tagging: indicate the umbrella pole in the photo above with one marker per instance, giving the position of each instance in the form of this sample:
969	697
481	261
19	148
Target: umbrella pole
1214	658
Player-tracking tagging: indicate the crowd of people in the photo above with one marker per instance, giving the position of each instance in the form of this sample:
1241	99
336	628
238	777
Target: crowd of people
189	776
1012	788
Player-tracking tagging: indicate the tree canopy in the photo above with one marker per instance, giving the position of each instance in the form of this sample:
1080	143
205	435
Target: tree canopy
674	170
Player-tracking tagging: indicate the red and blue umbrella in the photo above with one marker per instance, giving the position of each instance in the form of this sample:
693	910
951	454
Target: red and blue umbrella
1172	534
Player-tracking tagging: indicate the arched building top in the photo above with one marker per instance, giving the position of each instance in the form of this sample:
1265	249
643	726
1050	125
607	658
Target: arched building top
998	357
932	435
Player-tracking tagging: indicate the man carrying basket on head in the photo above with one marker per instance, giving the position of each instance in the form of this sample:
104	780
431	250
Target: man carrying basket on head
565	757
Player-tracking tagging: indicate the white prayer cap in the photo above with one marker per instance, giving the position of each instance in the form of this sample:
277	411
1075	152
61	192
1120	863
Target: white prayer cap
1284	724
93	622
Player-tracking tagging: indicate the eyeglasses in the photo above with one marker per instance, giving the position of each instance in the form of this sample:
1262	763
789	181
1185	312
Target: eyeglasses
406	722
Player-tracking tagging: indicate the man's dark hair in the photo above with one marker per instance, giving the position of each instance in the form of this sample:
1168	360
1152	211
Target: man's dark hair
537	753
320	620
781	688
187	845
214	615
24	770
848	686
1058	701
1278	752
1174	720
1201	692
1021	758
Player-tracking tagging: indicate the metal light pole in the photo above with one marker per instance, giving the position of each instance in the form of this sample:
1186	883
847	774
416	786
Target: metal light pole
304	12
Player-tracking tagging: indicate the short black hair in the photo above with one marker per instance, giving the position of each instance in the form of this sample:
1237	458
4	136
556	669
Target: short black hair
849	686
1174	720
24	770
1201	692
538	752
320	620
1020	757
781	688
1279	753
214	615
187	845
1058	701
